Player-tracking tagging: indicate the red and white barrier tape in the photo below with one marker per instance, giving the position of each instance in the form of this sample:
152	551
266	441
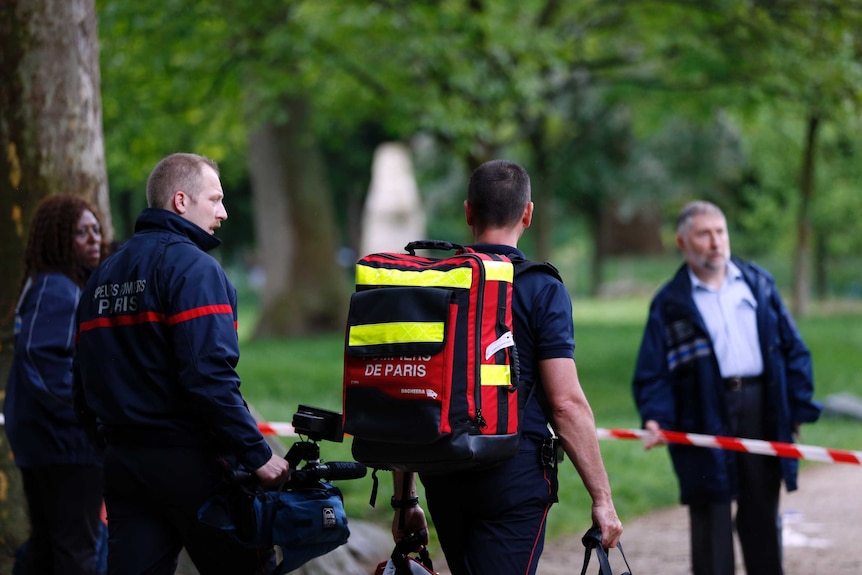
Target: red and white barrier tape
774	448
276	428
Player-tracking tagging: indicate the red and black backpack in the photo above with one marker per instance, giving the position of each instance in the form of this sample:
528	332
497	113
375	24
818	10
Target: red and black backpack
430	363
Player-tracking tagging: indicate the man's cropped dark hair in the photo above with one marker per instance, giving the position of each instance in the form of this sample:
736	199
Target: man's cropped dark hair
499	191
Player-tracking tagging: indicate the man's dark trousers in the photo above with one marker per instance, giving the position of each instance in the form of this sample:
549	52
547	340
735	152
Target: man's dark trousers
152	496
758	523
493	521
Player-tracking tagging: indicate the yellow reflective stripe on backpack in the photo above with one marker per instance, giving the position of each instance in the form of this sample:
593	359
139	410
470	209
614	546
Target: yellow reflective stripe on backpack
496	375
395	332
499	271
454	278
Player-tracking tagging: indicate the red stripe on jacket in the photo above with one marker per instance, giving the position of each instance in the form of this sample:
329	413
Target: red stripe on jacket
155	317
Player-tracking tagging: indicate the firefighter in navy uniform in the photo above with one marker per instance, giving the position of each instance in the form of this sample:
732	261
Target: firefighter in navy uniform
492	521
157	352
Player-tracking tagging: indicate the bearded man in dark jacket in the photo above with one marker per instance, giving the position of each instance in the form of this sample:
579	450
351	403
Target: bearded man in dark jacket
722	356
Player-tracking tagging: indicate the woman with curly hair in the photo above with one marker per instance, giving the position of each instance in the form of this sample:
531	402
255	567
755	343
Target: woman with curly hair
61	469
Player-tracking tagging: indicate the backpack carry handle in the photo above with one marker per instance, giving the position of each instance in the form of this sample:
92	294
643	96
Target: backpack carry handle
592	539
433	245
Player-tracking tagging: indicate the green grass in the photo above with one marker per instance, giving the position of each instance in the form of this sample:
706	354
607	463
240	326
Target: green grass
278	375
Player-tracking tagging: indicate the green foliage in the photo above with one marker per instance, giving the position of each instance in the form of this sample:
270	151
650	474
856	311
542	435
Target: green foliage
280	374
166	88
839	209
641	103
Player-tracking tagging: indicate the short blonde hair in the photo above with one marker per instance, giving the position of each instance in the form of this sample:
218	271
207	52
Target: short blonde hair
174	173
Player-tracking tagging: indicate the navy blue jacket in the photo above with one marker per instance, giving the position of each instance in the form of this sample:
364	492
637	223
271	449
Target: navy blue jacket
677	382
158	347
38	409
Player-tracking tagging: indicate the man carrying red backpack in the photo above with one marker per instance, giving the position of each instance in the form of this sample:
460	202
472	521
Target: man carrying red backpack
492	520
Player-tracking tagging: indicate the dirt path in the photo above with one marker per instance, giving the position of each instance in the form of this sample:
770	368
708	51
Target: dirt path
822	532
822	535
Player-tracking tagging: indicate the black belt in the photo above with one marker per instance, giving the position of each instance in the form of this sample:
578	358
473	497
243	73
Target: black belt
736	383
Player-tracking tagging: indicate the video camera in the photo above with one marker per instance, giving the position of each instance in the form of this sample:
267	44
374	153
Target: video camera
318	424
304	516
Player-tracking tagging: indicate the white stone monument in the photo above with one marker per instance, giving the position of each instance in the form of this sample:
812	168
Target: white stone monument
393	213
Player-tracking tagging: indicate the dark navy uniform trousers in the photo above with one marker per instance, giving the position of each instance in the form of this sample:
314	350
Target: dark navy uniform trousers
152	496
58	497
492	522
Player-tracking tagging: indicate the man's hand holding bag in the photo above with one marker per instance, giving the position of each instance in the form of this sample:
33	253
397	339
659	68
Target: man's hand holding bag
592	539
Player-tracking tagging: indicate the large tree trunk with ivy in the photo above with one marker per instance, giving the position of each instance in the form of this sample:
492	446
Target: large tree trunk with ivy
51	138
305	290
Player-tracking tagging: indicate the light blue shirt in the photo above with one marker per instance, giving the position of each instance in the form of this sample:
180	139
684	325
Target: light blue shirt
730	315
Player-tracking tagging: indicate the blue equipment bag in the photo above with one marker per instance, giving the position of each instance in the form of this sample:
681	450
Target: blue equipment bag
305	523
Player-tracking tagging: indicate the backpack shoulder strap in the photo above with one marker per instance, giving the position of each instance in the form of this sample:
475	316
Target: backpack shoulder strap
523	266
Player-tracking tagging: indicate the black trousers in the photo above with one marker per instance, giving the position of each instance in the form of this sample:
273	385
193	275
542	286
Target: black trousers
152	496
492	522
757	521
65	504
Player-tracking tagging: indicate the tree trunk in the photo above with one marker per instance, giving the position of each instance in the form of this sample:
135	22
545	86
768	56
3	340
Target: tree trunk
597	261
802	261
821	266
50	142
305	289
273	232
543	215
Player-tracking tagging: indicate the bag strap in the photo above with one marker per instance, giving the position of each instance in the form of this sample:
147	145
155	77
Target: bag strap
425	559
405	491
593	539
604	564
401	554
523	266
